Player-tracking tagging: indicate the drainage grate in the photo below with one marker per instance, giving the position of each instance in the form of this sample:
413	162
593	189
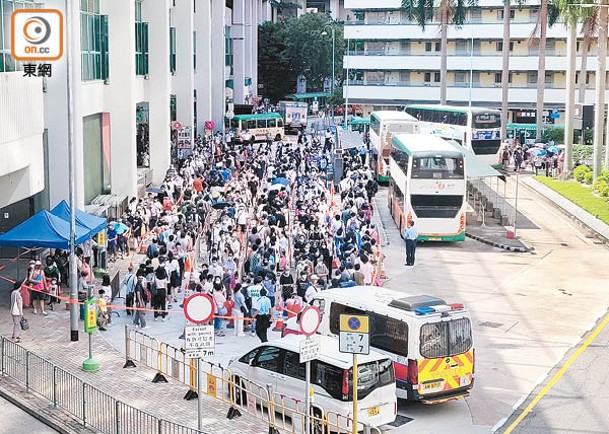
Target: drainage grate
400	420
493	325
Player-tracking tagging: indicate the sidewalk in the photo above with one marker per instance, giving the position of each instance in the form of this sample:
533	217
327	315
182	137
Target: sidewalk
50	337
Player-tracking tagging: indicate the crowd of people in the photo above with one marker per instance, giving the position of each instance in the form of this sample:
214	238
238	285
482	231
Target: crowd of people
258	227
540	159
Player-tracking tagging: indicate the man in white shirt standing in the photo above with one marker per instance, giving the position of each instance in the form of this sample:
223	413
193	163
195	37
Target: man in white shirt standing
411	235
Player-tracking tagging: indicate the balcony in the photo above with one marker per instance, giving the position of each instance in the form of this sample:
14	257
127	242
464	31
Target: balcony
519	96
480	31
431	61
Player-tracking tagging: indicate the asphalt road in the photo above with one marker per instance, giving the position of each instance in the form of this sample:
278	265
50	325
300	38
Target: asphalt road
528	310
571	400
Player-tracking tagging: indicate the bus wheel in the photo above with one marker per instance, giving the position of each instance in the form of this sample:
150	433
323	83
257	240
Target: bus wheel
278	137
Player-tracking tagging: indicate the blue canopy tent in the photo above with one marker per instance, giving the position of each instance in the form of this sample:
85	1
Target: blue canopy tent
43	229
93	223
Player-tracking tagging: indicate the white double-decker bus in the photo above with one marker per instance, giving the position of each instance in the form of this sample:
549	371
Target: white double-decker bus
428	185
383	125
478	129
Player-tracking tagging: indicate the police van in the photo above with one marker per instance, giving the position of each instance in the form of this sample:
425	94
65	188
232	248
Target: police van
429	340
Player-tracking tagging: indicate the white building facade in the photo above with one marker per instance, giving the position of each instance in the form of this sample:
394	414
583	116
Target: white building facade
392	61
138	65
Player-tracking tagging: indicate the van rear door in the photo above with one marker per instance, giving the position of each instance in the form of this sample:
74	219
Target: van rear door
448	357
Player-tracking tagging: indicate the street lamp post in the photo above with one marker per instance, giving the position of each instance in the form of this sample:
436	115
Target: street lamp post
325	33
73	280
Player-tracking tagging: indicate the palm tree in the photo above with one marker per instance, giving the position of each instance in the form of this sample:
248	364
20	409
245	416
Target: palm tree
589	32
571	16
505	70
451	12
601	79
547	16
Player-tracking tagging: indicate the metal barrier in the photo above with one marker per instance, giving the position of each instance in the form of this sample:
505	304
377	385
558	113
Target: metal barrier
284	414
84	402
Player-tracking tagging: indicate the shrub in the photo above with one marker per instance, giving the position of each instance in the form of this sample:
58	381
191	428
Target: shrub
580	172
588	178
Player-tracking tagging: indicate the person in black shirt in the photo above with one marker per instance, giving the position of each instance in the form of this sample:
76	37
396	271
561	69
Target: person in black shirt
286	283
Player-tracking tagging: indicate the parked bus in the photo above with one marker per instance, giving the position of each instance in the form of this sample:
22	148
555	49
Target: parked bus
254	128
428	185
429	341
478	129
383	124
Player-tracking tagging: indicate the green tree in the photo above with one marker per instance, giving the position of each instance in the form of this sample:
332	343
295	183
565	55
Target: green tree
310	53
275	72
451	12
296	46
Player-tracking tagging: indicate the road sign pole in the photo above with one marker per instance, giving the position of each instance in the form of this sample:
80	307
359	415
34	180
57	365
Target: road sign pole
308	396
199	397
354	393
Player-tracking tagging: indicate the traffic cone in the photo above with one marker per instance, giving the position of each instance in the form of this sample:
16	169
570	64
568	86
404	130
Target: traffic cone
279	319
383	270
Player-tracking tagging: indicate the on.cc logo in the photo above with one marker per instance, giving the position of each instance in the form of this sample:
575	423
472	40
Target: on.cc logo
36	30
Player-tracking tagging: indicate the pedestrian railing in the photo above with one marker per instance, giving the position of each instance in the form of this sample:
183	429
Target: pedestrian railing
282	413
84	402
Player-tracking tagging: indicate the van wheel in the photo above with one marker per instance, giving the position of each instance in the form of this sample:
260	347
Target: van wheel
278	137
317	425
239	392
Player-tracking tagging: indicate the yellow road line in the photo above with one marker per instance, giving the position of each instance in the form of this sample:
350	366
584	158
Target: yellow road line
558	375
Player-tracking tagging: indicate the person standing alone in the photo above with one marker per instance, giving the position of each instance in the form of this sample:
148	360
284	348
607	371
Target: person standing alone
411	236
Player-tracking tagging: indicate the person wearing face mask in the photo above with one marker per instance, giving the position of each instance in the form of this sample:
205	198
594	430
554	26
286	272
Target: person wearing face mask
215	269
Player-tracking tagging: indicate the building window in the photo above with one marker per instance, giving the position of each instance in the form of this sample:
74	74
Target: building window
93	41
533	14
404	77
194	50
532	77
500	14
172	50
475	15
461	78
437	46
427	77
7	63
375	77
141	41
499	46
375	47
228	47
376	17
550	47
499	75
436	77
404	47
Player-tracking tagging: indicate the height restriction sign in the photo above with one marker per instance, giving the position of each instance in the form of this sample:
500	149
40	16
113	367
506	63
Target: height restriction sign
354	337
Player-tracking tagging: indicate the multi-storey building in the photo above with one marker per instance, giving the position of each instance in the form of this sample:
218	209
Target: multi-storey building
393	61
137	66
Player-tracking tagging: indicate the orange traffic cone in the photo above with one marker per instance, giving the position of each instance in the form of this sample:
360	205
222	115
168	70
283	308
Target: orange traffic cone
383	270
279	317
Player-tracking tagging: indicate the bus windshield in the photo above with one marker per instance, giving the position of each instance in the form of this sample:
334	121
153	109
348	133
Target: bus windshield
437	167
446	338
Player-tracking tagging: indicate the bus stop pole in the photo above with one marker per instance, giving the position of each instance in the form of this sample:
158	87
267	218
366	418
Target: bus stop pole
308	397
355	394
199	397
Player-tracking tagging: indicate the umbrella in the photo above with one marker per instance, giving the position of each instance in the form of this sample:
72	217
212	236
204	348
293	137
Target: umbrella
553	149
221	205
282	181
154	190
537	152
120	228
